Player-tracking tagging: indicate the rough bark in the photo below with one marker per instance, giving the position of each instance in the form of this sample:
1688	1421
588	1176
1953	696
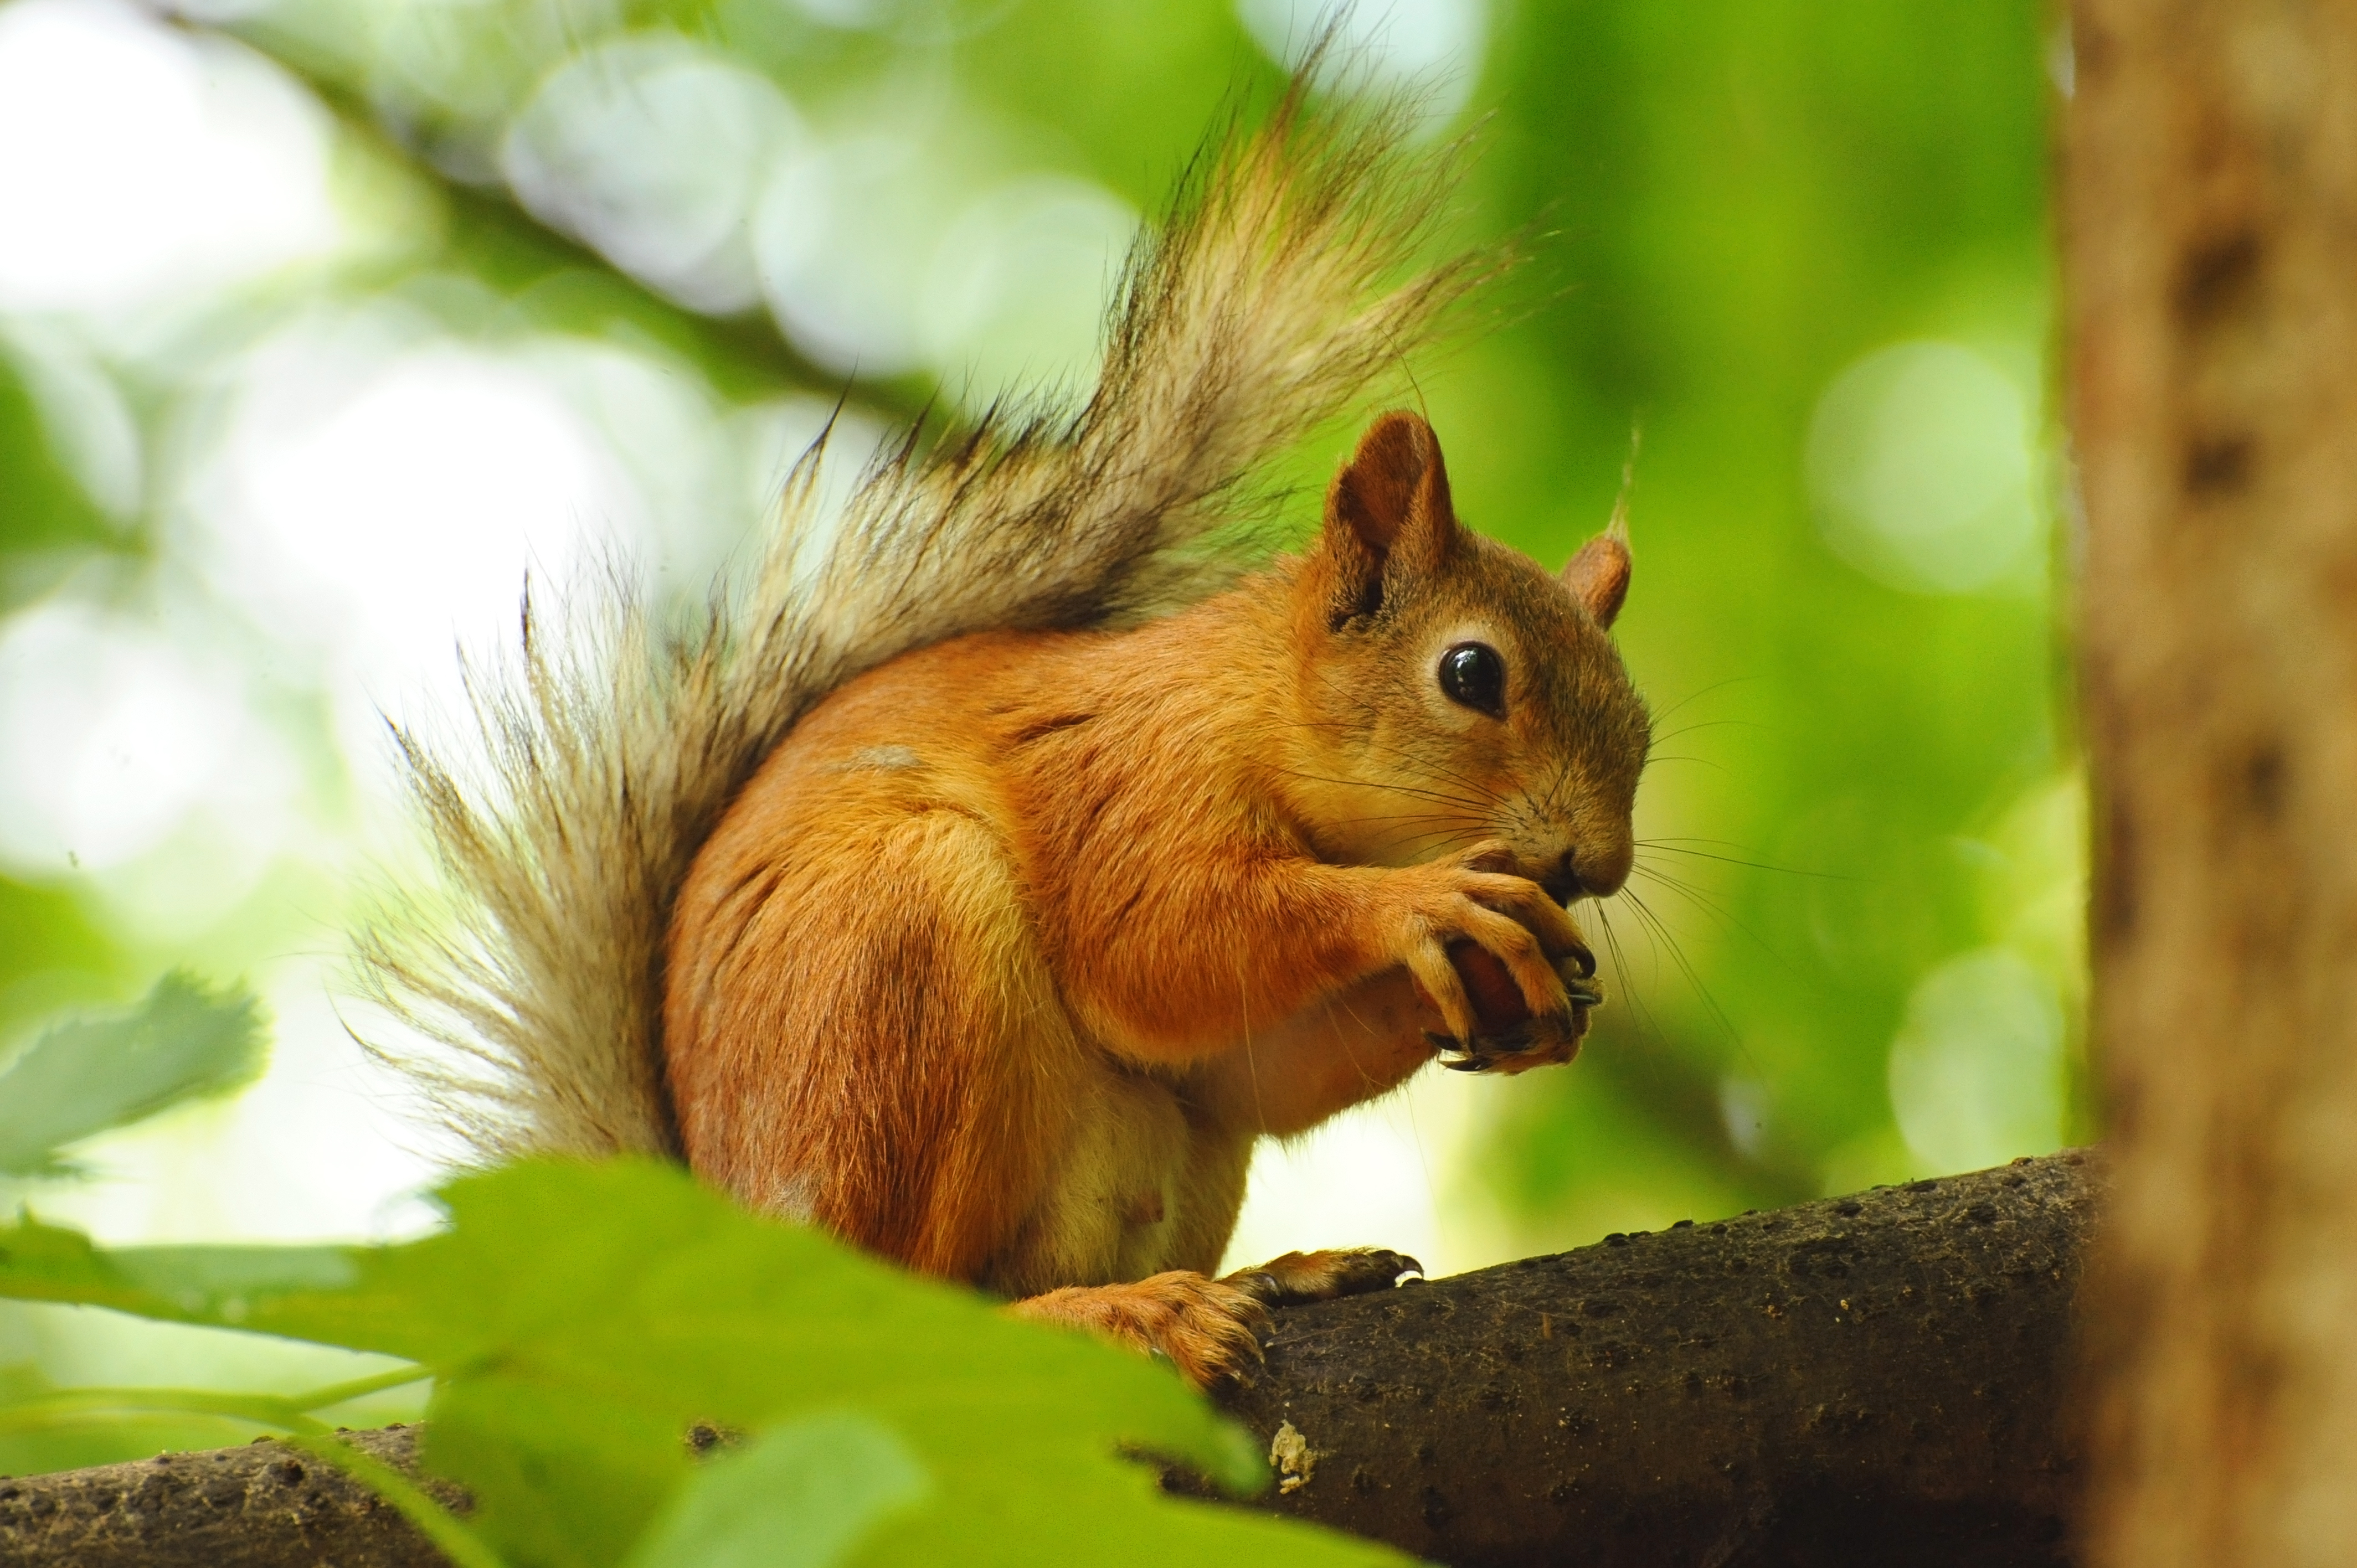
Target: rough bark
2211	217
265	1505
1863	1381
1873	1379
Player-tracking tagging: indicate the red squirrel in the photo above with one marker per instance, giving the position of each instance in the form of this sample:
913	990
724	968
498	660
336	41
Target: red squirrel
1012	950
984	879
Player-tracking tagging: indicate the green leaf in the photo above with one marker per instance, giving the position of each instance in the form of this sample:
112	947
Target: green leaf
219	1284
214	1285
82	1078
799	1495
580	1319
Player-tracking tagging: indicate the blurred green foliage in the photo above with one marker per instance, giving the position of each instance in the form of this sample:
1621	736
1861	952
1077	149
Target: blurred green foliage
1746	198
43	506
82	1077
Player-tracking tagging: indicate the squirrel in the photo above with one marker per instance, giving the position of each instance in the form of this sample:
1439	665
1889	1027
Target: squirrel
984	879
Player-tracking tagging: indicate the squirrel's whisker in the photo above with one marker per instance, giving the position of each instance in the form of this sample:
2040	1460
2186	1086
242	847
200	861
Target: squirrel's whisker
1670	846
1389	789
1678	952
1709	723
1711	906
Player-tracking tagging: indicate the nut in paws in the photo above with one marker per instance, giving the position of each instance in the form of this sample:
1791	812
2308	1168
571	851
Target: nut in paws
1512	1040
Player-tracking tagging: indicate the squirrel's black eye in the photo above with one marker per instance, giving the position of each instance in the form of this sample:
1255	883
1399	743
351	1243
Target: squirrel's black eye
1475	677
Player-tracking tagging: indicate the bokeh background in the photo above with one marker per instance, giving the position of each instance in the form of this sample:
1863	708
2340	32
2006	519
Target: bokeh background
322	320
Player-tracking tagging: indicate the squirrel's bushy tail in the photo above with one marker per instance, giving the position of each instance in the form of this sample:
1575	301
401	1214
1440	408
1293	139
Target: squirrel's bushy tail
604	753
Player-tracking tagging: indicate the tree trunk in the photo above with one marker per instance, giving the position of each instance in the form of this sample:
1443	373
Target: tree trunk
1864	1382
2211	246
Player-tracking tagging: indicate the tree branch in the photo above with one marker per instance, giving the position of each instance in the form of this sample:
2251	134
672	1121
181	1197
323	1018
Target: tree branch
265	1505
1862	1380
1869	1379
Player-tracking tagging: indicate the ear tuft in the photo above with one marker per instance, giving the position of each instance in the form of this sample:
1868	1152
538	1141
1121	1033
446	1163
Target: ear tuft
1388	511
1599	575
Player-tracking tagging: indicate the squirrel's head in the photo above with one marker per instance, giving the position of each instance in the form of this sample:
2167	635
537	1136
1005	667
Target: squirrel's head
1457	691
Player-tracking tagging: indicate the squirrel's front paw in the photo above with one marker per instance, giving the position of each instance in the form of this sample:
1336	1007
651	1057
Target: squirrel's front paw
1469	918
1207	1329
1322	1275
1519	1050
1511	1041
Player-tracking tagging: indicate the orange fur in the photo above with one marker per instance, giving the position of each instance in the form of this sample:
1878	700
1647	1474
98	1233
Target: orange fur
1015	946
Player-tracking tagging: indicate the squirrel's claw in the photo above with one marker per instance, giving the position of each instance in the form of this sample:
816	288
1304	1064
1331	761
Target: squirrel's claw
1299	1277
1537	1042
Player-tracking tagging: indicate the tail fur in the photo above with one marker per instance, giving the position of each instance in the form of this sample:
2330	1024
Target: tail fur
602	757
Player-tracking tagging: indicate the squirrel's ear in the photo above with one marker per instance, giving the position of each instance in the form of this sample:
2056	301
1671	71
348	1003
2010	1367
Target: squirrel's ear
1599	575
1388	511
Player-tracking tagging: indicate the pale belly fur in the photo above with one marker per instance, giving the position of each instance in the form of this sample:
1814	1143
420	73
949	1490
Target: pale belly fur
1152	1173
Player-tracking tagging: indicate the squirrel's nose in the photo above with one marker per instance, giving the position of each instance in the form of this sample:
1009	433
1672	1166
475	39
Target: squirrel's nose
1597	877
1597	873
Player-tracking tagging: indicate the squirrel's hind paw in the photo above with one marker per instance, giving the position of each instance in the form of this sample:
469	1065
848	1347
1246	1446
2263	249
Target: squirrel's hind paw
1209	1329
1297	1277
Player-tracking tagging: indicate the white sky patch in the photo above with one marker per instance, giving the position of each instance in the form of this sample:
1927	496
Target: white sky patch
844	238
1434	47
849	15
112	735
1019	289
377	503
1745	1106
653	150
681	511
137	162
1376	1176
899	243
